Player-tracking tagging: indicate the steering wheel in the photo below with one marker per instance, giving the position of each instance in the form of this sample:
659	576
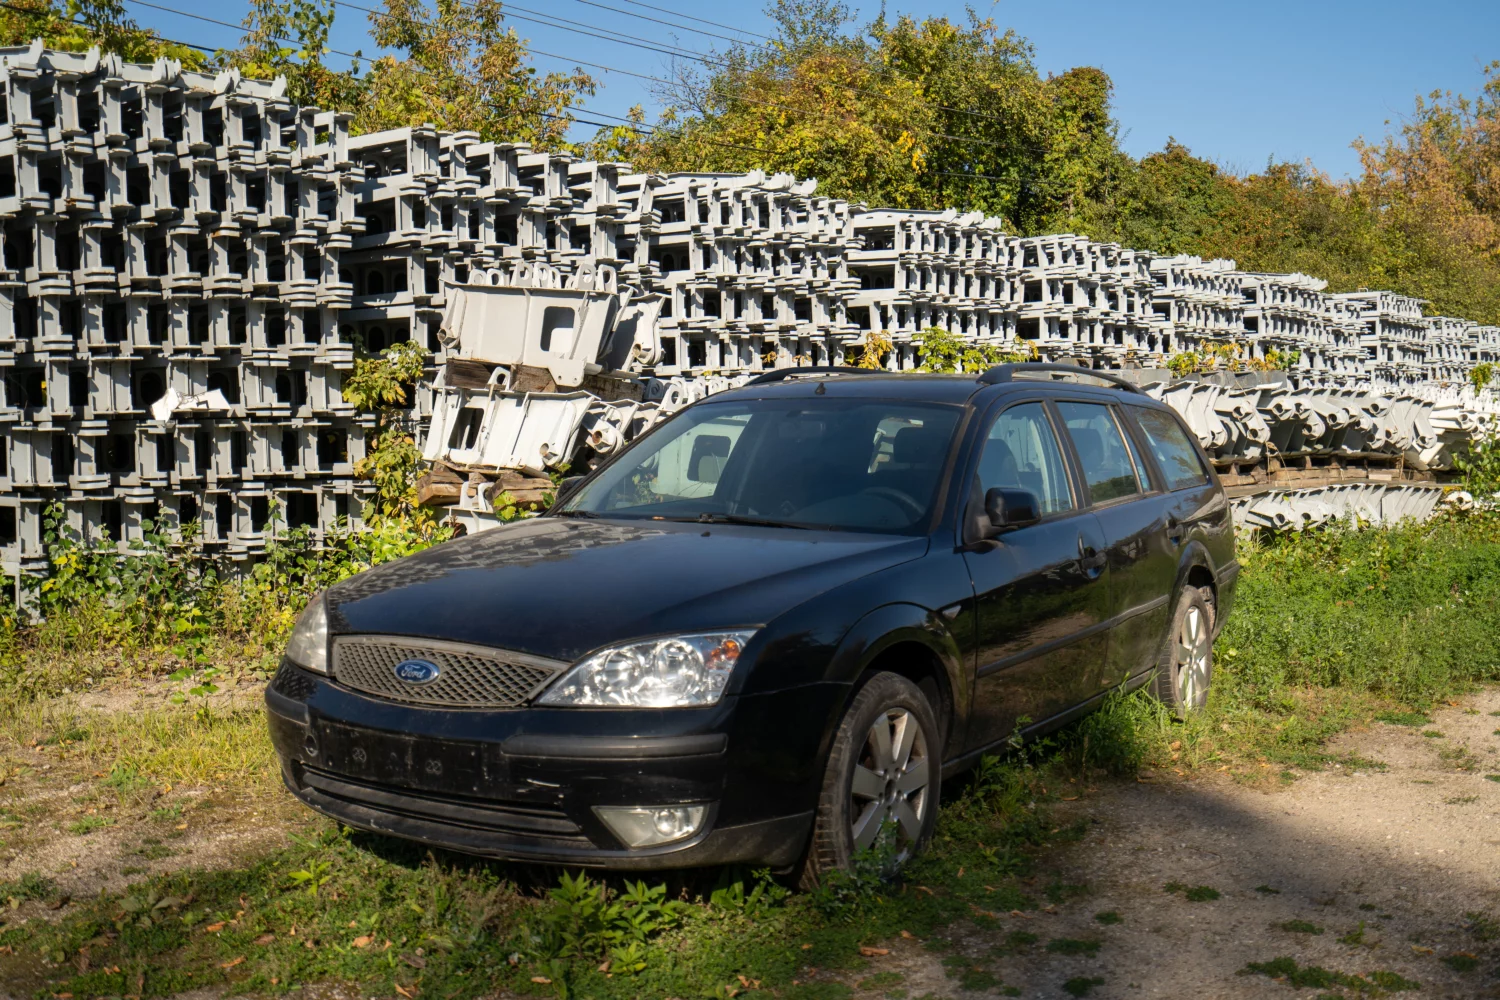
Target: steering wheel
904	500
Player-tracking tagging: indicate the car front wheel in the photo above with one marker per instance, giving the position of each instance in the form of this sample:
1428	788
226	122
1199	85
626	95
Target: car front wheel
880	790
1186	668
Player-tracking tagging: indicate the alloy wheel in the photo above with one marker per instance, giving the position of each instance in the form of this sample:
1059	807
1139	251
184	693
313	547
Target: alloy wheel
1193	655
892	782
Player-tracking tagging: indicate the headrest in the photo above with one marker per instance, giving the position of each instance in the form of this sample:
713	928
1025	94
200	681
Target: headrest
1090	447
924	446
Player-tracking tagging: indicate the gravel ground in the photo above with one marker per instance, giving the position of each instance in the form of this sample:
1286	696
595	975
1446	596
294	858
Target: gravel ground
1394	871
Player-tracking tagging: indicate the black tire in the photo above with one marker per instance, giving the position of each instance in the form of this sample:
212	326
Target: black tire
910	779
1185	668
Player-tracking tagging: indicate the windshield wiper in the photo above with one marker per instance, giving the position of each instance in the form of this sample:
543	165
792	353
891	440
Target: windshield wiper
576	513
708	518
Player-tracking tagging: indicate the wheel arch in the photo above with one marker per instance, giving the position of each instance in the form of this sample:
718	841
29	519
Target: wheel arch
1195	569
913	642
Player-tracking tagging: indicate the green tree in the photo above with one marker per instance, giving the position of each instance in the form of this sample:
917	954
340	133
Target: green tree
290	38
904	113
941	351
78	25
461	69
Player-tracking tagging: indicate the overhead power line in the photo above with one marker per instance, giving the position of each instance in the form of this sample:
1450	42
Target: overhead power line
630	124
85	24
689	17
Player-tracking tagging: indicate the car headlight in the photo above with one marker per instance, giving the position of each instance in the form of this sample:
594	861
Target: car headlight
678	671
308	646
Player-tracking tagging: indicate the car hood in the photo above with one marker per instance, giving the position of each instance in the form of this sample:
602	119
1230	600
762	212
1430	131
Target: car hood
561	587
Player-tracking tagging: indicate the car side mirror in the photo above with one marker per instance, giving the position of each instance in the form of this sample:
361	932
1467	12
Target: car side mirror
1007	509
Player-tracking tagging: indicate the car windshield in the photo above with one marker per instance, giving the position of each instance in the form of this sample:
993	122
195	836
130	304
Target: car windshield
852	464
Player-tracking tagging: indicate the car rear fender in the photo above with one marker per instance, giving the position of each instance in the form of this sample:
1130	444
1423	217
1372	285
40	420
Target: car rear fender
1195	565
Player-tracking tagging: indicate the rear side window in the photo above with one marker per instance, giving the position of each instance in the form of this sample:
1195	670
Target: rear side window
1102	450
1174	452
1021	453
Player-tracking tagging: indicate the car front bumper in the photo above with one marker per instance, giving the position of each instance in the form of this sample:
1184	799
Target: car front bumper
522	784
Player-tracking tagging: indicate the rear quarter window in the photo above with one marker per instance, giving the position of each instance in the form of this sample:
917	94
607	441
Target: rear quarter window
1174	452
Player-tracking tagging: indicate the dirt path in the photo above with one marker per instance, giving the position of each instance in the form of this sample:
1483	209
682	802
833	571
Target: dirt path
1363	873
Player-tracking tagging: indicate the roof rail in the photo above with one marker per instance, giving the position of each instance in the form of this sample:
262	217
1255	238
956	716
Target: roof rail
781	374
1007	373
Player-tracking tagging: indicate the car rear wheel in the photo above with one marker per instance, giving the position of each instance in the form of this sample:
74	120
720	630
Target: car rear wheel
1186	667
880	789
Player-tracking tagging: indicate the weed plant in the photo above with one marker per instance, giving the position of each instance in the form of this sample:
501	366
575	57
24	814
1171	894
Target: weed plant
168	605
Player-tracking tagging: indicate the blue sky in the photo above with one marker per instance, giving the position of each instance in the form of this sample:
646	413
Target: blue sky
1237	83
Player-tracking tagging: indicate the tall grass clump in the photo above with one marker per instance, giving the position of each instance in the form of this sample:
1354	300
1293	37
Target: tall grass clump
1410	612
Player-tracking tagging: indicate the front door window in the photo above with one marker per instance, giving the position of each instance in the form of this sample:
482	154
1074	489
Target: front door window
1021	453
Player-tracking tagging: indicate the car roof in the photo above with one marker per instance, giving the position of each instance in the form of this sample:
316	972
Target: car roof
925	387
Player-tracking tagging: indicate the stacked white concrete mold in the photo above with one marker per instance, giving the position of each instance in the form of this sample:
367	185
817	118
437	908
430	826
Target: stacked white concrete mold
1394	334
1196	302
1484	345
1447	349
190	264
1087	302
525	315
1291	315
911	271
169	232
752	269
1244	419
1361	504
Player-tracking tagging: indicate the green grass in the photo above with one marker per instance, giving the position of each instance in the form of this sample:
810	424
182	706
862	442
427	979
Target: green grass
154	745
1193	894
1331	631
1300	927
88	824
880	981
1109	917
30	886
349	894
1286	970
1403	718
1081	986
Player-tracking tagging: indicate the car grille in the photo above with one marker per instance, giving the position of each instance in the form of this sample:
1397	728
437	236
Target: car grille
468	676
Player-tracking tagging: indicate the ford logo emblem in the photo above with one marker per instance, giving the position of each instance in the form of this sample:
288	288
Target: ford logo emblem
417	671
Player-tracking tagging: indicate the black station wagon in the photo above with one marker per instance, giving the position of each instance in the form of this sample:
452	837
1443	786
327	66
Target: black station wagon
765	631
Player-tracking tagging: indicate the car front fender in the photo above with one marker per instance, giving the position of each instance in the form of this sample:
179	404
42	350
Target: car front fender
894	625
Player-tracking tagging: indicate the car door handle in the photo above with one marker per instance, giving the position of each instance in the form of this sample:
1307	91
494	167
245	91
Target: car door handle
1090	559
1174	530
